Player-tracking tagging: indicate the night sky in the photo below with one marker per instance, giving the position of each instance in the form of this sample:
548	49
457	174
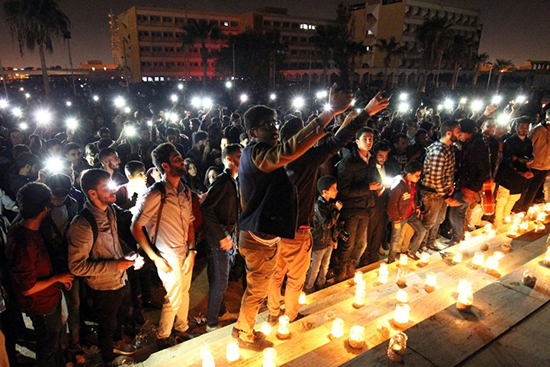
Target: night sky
513	29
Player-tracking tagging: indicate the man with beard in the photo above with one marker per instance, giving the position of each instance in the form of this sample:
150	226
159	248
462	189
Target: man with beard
437	184
97	255
165	212
110	162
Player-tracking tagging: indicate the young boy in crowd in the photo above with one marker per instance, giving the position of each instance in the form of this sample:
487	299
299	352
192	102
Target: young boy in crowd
324	233
404	207
127	194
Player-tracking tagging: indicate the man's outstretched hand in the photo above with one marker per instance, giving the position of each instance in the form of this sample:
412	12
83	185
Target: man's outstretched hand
377	104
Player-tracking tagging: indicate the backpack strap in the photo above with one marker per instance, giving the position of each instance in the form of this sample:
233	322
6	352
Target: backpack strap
159	186
87	214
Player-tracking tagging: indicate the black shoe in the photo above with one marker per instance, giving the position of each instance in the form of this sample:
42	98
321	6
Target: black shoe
274	320
298	317
184	336
166	343
123	349
413	257
259	343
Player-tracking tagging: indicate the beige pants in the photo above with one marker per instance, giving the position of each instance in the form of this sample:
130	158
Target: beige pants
293	261
176	301
261	261
4	362
505	203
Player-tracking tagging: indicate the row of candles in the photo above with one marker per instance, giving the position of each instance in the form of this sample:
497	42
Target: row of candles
398	342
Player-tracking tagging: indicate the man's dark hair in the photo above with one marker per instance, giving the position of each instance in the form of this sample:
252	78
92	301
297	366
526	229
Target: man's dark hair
418	133
291	128
15	130
171	131
231	149
256	115
132	167
52	143
399	136
161	154
243	136
235	116
105	153
413	167
381	146
104	130
18	149
447	126
104	143
364	130
522	120
25	158
200	135
426	125
325	182
144	128
69	147
32	199
91	179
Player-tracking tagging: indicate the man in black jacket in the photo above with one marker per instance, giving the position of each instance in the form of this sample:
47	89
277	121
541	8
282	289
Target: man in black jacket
357	194
513	175
293	258
474	169
220	212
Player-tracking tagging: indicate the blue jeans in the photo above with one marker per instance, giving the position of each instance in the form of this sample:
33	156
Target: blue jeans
457	217
317	273
416	240
435	209
49	331
353	249
219	265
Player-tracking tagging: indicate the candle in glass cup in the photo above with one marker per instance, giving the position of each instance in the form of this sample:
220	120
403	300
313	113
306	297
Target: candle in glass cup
208	360
424	259
402	296
302	299
430	282
478	260
491	265
283	331
269	357
357	337
401	315
232	352
266	328
541	217
508	220
383	273
358	278
457	258
403	260
465	295
546	260
360	295
397	347
337	328
401	279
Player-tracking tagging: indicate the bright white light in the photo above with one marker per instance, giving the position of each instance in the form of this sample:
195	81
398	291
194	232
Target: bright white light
43	117
228	84
54	165
476	105
321	94
244	98
3	103
174	117
127	110
439	107
449	104
72	123
503	119
119	102
174	98
196	102
112	185
150	123
358	110
95	98
180	86
298	103
463	100
496	100
17	112
27	95
404	107
207	103
353	102
21	89
68	103
521	99
272	96
403	96
327	107
23	126
131	130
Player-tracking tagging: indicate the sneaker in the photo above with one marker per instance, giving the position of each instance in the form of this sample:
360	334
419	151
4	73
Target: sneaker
209	328
183	336
228	316
413	257
298	317
309	290
258	344
122	348
274	320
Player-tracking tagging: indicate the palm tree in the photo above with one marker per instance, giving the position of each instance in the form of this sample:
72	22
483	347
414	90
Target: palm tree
500	66
434	38
326	39
202	31
391	50
33	23
275	48
479	60
460	47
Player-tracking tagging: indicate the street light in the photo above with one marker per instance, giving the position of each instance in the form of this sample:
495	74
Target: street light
228	84
68	103
272	96
27	95
180	86
95	98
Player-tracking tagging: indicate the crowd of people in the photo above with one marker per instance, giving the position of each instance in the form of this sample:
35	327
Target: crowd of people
97	208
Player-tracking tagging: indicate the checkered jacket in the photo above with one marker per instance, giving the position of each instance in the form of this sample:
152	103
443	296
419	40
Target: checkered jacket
439	168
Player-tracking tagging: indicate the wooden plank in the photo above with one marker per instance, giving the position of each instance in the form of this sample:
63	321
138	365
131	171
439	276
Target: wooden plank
377	357
526	344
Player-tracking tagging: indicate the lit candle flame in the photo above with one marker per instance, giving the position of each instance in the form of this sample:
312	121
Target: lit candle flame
424	258
403	260
232	353
457	258
383	273
337	328
270	357
283	325
266	328
402	296
431	280
357	336
478	260
401	314
302	299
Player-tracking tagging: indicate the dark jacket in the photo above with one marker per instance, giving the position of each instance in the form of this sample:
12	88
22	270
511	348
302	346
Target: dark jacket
303	172
474	167
326	217
399	202
392	170
220	209
353	186
510	172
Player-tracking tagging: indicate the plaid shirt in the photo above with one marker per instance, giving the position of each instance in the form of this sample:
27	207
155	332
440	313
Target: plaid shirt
439	168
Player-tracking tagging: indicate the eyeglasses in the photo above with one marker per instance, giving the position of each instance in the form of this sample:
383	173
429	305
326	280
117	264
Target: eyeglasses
267	125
